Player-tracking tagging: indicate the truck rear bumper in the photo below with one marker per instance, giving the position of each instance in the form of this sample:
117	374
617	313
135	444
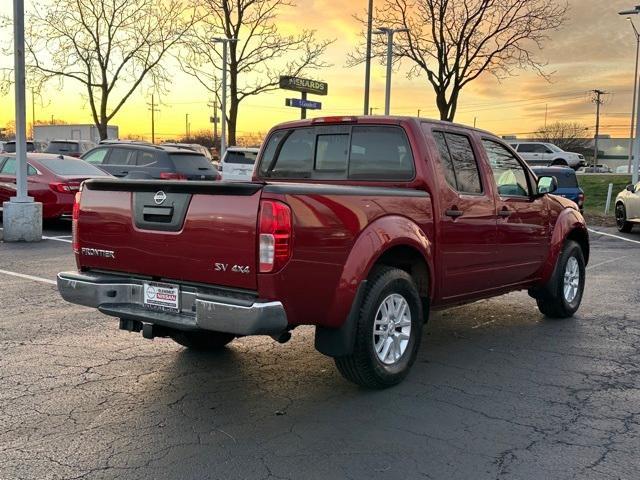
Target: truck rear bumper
121	296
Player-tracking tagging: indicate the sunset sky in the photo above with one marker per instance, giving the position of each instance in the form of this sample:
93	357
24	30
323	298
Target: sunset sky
594	49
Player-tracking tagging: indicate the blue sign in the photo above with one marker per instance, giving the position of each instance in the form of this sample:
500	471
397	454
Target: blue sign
299	103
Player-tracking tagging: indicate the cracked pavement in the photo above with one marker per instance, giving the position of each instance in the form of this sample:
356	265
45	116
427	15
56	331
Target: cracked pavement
497	392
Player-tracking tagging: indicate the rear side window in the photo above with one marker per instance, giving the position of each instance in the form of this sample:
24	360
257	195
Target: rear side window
459	161
339	152
63	147
191	164
121	156
9	168
240	158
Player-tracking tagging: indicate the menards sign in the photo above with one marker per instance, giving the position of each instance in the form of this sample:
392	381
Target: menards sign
304	85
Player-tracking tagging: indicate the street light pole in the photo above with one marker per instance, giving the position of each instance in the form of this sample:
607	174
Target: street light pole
635	94
636	147
223	100
367	70
22	217
389	32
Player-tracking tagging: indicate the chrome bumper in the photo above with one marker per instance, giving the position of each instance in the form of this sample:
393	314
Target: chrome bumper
121	296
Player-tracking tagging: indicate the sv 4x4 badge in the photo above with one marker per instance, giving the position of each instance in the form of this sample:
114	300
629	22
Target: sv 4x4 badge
223	267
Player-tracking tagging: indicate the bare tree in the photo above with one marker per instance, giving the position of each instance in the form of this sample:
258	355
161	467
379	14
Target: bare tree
453	42
108	46
259	56
569	136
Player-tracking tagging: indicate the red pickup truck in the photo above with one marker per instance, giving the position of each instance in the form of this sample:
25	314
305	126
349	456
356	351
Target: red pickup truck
357	225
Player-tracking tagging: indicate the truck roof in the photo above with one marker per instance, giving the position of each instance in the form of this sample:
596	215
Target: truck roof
375	119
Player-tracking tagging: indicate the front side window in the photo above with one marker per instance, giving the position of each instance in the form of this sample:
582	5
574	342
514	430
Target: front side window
96	157
339	152
508	172
461	166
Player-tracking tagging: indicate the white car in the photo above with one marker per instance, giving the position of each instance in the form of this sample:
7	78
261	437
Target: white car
628	208
542	154
238	163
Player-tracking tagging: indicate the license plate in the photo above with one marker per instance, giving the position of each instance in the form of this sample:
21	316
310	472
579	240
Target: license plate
162	296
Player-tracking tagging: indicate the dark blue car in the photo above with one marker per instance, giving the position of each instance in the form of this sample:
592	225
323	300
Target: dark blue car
567	183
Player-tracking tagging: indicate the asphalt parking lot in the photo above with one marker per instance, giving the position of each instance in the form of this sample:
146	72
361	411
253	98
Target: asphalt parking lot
497	391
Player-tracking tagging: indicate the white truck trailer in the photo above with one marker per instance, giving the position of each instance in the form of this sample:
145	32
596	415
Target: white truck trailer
46	133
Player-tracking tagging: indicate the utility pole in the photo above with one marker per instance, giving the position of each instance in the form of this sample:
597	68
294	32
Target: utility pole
371	109
153	109
636	157
418	113
389	32
214	105
546	111
597	99
186	125
367	70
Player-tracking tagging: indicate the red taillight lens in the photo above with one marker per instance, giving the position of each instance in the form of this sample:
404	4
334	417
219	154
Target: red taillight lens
581	198
74	224
62	187
275	240
172	176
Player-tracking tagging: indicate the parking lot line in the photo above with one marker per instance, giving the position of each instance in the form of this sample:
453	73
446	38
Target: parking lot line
57	239
614	236
607	261
28	277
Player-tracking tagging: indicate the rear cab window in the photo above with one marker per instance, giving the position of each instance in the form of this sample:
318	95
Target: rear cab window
566	178
339	152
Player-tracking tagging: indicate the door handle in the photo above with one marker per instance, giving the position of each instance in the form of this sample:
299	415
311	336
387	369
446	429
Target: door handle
453	213
504	213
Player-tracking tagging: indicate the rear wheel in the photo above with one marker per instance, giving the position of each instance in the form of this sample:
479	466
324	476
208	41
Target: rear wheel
203	341
562	295
559	162
388	332
621	219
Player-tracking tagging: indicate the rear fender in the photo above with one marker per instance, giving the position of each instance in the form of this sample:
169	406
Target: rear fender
381	235
336	338
569	225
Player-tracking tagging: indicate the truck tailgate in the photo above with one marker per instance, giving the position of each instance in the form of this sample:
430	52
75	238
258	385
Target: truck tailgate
202	232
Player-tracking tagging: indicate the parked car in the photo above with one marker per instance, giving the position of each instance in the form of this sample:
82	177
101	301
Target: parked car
387	217
628	208
71	148
599	168
51	179
10	147
623	170
144	160
238	163
191	146
567	180
544	154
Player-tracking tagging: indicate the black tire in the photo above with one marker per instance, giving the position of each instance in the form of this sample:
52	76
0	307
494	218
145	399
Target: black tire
551	299
559	162
202	341
621	219
364	367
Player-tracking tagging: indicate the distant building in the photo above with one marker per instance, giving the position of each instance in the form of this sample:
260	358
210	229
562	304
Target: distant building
46	133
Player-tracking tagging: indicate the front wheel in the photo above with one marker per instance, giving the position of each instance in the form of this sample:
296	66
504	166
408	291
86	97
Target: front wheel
559	163
388	332
562	295
203	341
621	219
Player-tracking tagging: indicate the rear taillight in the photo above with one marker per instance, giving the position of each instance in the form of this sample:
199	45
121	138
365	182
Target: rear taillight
172	176
274	249
74	224
581	198
63	187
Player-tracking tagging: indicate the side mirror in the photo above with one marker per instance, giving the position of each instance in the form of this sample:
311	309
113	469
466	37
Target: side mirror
631	188
547	185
